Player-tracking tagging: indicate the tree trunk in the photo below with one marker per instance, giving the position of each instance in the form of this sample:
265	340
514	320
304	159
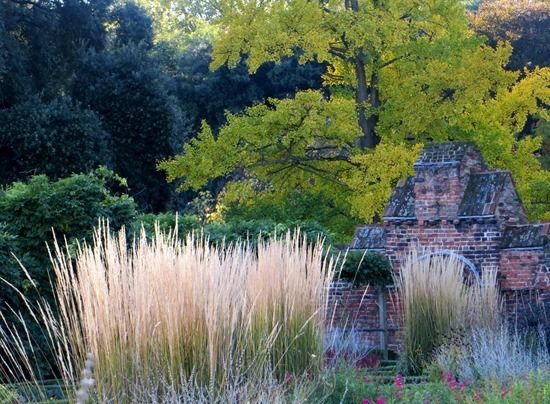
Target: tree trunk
363	92
373	118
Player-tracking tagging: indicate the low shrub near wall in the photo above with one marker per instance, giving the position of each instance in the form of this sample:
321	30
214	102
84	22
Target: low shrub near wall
229	231
365	268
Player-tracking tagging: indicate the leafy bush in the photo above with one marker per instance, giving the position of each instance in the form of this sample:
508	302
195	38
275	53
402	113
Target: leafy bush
30	212
56	138
231	231
70	207
366	268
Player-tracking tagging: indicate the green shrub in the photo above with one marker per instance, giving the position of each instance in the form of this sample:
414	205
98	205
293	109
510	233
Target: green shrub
231	231
56	138
366	268
70	207
30	212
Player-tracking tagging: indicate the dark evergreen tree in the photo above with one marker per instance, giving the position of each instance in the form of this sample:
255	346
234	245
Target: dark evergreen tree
133	97
56	138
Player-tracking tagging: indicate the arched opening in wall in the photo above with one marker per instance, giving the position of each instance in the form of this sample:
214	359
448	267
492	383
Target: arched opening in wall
471	275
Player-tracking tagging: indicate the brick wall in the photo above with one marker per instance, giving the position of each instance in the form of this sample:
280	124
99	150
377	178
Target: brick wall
357	309
478	242
520	269
439	188
454	203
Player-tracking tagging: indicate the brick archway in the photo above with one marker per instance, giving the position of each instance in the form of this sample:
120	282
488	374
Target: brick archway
469	264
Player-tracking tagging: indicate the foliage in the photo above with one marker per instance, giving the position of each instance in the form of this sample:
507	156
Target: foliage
228	231
56	138
9	271
40	43
131	25
349	385
425	77
178	23
238	202
150	95
366	268
31	212
207	95
303	143
345	385
132	95
525	23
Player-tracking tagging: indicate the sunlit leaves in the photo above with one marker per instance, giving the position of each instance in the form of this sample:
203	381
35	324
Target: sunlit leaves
378	171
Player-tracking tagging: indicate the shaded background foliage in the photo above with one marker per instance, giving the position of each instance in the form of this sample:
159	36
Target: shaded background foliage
103	77
525	23
56	138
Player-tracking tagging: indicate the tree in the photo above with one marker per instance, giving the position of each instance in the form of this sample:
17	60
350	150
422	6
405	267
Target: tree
132	25
207	95
358	39
525	23
180	22
56	138
41	40
414	73
135	100
306	143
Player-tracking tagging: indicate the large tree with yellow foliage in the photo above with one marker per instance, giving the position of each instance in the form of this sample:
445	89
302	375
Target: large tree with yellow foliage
400	72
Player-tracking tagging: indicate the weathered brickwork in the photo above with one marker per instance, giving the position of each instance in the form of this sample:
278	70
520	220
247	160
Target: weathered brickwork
453	204
478	242
357	309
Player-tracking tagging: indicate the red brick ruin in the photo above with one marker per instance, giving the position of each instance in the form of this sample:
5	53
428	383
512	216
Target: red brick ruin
453	205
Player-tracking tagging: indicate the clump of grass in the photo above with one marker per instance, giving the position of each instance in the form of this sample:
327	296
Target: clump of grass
494	354
345	347
169	310
438	304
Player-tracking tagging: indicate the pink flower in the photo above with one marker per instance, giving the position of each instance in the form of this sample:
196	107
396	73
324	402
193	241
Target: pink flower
289	377
448	376
477	397
366	401
463	384
381	400
399	384
504	392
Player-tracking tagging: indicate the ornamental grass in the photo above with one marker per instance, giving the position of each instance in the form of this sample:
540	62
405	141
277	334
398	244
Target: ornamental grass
173	312
439	305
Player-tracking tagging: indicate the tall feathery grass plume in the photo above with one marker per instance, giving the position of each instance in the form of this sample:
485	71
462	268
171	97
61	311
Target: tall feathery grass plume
174	312
438	304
